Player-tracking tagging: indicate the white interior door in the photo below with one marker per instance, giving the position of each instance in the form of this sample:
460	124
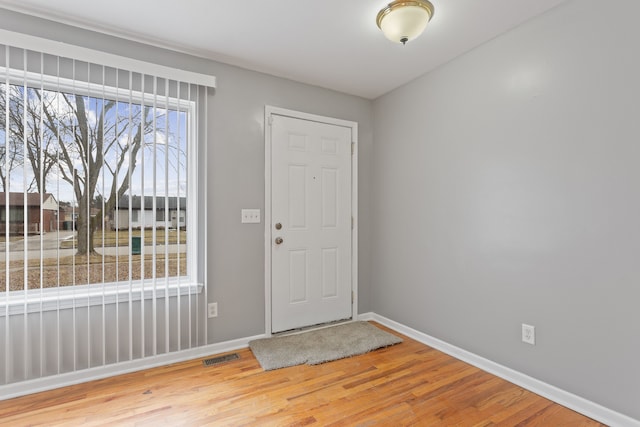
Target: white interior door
311	222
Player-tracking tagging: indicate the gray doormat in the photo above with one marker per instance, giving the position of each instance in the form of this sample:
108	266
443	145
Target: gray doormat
321	345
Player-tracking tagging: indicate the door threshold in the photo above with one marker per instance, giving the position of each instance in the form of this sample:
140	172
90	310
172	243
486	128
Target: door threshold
303	329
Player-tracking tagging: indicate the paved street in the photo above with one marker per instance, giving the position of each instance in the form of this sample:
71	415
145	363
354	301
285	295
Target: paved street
48	240
51	243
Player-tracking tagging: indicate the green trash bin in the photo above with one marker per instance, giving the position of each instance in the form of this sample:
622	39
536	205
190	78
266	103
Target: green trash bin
135	245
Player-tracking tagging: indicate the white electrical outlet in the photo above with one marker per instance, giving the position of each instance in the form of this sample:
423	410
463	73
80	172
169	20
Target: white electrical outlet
529	334
212	309
250	216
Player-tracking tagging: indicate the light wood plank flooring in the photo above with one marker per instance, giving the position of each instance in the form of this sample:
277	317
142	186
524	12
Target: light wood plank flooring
407	384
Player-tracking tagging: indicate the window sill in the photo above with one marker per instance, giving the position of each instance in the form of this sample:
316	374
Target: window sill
68	297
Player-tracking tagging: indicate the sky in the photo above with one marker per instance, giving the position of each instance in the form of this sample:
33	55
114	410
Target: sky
155	171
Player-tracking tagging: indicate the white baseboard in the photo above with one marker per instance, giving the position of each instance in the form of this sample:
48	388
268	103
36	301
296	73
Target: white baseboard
56	381
564	398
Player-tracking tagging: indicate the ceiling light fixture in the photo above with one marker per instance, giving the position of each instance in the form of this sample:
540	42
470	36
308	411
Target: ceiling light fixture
402	21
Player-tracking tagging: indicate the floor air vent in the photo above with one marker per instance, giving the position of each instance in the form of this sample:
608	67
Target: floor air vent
220	359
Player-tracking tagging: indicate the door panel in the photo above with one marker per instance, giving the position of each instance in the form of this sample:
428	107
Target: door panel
311	199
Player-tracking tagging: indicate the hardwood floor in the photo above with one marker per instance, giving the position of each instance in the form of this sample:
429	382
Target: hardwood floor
407	384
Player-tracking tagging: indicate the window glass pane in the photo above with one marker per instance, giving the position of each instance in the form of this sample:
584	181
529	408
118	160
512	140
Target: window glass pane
90	165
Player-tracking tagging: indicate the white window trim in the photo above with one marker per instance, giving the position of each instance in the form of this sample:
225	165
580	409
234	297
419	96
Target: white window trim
17	77
66	50
64	297
68	297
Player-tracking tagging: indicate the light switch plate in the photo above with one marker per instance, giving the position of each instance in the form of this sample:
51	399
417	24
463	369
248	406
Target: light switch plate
250	216
212	310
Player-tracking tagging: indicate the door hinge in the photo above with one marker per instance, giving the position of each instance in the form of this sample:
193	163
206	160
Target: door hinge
270	119
353	297
353	148
352	222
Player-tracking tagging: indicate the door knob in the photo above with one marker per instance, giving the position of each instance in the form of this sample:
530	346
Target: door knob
278	226
279	240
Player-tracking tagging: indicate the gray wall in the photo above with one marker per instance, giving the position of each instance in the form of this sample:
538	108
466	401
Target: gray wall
235	166
508	191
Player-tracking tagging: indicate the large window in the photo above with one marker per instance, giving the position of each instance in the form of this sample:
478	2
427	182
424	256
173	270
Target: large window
101	194
88	161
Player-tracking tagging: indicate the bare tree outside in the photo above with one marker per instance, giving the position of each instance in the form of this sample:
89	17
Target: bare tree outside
11	154
8	155
81	163
87	151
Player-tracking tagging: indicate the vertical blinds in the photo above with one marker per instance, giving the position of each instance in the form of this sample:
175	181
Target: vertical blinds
101	214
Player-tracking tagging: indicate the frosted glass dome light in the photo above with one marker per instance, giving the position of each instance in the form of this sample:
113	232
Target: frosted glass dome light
402	21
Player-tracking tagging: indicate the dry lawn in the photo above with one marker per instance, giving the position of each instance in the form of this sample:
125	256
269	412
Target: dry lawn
83	270
109	238
3	238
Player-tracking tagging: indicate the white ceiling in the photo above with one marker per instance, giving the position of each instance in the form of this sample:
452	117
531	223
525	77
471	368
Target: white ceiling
329	43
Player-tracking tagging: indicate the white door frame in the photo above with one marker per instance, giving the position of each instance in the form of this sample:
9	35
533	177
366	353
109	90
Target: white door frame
268	111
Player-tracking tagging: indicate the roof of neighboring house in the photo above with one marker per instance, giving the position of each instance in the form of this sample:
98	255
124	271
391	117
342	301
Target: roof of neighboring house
17	198
136	202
